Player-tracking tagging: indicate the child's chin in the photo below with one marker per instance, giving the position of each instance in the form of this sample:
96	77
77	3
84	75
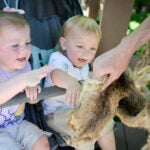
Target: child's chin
79	66
20	66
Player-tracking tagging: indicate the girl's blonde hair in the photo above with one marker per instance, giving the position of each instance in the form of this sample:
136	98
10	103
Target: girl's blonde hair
12	18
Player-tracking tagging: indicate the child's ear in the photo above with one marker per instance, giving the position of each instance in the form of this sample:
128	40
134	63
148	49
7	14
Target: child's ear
62	42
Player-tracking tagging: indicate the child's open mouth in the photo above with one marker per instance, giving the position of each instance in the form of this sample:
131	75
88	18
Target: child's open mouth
21	59
82	60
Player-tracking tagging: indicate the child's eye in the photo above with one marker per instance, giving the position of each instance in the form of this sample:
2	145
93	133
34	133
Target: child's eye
16	45
79	46
93	49
27	43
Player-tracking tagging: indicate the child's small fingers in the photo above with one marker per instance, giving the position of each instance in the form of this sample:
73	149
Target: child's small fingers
66	95
34	94
27	92
73	99
46	69
31	95
77	98
39	89
67	98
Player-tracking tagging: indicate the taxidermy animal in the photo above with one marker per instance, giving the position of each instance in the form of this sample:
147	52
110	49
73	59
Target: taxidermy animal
126	97
134	110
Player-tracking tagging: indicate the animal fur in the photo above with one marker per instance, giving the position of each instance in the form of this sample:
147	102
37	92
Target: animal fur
125	97
134	111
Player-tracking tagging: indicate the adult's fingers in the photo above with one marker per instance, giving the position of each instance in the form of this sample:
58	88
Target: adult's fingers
111	78
108	81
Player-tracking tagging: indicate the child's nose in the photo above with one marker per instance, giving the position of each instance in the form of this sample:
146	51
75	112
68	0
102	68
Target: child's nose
86	54
24	48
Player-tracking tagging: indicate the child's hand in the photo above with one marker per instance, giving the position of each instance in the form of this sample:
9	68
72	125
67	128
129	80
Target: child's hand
34	77
73	93
32	92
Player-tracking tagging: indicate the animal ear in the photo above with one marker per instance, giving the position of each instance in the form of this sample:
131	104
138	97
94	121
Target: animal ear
62	42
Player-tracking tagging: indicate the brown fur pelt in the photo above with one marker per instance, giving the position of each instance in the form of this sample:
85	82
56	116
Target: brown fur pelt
97	106
141	72
134	110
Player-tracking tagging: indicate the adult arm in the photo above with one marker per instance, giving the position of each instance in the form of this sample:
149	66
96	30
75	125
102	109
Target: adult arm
115	61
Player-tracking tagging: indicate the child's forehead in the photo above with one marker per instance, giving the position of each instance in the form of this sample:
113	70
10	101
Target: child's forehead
11	33
78	32
76	29
10	26
13	22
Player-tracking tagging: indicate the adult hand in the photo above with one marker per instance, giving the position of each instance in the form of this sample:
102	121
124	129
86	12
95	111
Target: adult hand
111	63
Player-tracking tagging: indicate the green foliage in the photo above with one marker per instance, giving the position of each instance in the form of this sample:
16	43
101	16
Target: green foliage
148	86
136	20
142	6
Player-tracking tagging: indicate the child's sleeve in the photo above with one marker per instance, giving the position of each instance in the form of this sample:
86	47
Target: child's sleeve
57	61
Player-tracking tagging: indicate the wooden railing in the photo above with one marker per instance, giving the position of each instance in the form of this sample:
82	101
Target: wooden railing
46	92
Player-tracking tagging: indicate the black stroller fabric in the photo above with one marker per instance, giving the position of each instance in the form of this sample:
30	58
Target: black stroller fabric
45	18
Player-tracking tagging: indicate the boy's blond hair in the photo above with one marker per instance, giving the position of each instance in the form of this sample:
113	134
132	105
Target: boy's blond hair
83	24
